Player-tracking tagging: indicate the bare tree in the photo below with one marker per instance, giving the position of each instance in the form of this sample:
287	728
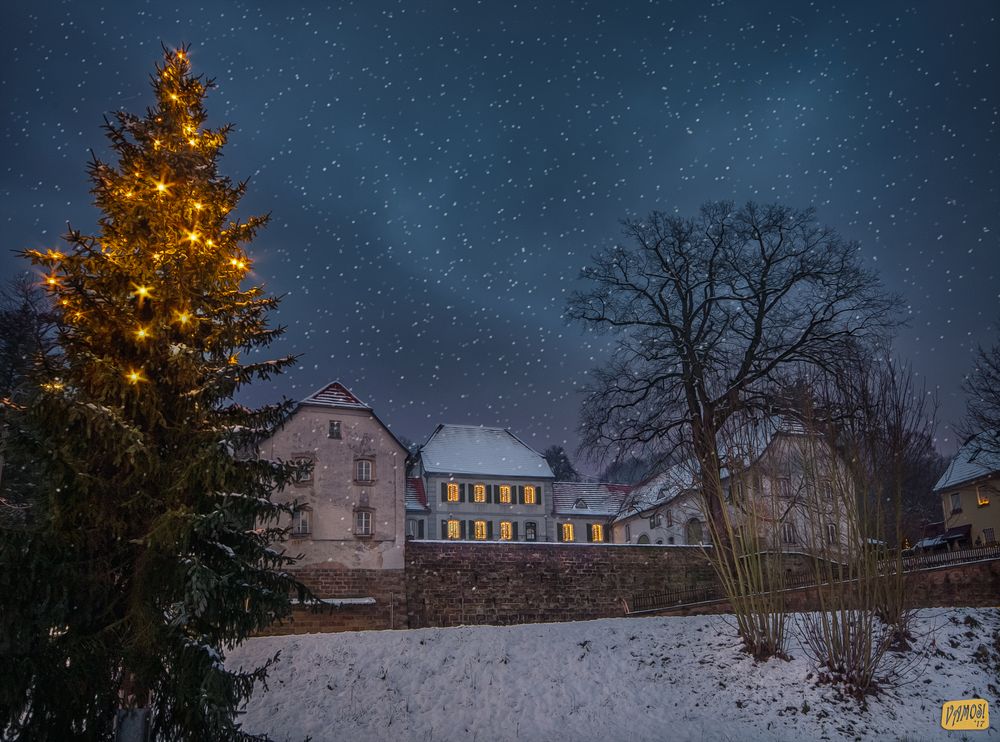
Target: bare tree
983	389
710	314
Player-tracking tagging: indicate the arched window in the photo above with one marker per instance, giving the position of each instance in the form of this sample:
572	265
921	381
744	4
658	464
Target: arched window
695	535
643	539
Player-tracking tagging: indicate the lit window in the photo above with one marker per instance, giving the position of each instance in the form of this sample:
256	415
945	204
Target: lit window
530	531
504	493
334	431
506	530
364	470
479	530
454	529
453	493
529	495
981	498
301	522
567	531
363	523
597	533
479	493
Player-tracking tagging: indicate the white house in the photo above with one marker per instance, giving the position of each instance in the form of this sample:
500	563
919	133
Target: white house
777	476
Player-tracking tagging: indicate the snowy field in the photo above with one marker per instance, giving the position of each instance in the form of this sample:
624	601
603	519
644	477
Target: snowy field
609	680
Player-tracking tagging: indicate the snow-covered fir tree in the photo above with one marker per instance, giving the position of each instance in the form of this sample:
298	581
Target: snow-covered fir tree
152	545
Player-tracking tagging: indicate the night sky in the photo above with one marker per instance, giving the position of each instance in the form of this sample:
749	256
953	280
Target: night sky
438	175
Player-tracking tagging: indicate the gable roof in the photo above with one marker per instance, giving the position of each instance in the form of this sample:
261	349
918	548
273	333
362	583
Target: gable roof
973	461
335	394
472	449
600	498
416	497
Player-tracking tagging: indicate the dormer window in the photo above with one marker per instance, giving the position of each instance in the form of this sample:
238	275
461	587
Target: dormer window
580	504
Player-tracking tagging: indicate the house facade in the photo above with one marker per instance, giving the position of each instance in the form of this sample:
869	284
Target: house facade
479	484
970	500
583	512
782	485
354	515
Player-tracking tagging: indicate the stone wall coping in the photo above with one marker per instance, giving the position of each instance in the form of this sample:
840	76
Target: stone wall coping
589	544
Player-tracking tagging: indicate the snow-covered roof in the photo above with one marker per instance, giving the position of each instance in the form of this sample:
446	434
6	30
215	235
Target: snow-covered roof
471	449
416	497
599	498
335	394
973	461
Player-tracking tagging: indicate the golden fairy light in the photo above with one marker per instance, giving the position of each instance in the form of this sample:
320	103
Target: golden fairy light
183	317
142	292
161	187
142	333
134	376
193	236
198	206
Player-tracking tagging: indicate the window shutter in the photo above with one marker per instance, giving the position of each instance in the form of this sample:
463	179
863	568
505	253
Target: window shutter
559	532
461	529
489	494
444	529
538	494
489	530
461	492
513	531
520	494
444	492
590	532
420	528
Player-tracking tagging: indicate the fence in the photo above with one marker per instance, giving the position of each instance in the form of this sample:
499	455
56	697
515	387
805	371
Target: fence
653	601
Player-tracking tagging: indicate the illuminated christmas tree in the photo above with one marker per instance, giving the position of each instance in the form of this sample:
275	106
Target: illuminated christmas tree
155	526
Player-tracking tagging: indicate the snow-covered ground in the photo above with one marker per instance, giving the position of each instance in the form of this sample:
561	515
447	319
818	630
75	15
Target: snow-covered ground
609	680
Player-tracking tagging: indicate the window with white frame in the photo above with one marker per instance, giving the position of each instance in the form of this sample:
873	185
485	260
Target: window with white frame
530	495
479	493
363	523
302	522
364	470
788	534
530	531
306	464
831	534
334	429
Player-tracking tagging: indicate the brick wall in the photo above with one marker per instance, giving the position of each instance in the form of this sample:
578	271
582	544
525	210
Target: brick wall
975	584
386	586
449	583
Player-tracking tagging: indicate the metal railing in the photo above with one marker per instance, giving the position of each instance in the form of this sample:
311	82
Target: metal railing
660	600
